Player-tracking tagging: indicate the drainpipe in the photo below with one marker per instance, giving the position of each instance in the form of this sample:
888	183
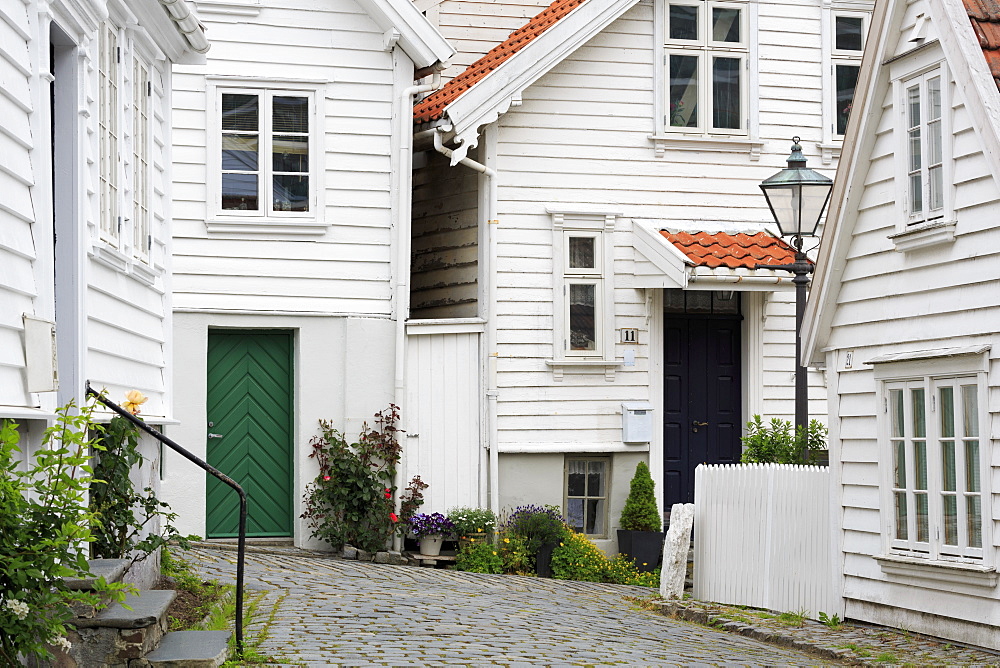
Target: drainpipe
405	208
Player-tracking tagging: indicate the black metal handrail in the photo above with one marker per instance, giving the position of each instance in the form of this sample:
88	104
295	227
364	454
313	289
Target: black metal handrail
241	545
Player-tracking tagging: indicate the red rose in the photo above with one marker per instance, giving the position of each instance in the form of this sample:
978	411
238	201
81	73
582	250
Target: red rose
326	477
392	516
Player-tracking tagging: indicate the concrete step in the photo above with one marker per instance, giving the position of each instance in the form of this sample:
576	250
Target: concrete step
147	607
191	649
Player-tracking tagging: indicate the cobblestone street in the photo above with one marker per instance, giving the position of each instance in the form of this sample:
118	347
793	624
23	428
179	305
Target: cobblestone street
330	612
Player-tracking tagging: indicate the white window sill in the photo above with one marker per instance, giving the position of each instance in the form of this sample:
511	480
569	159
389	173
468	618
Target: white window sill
943	573
717	143
558	366
110	257
924	235
270	226
831	150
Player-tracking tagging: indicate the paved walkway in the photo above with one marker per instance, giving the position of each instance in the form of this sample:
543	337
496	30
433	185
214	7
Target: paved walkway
322	611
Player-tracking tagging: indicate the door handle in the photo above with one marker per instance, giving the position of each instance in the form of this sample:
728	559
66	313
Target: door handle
695	424
215	435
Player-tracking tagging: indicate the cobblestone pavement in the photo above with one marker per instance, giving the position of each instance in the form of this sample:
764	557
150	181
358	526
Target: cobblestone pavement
323	611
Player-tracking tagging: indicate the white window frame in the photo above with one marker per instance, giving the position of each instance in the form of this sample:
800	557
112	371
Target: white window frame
843	57
599	226
931	375
928	128
109	133
832	141
263	220
142	162
606	496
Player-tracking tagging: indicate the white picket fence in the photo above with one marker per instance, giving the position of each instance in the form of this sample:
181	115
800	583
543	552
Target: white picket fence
762	537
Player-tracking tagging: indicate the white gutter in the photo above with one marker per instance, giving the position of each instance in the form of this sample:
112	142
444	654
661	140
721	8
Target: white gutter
403	242
447	152
188	24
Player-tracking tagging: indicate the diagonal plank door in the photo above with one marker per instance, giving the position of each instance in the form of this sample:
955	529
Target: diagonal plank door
249	430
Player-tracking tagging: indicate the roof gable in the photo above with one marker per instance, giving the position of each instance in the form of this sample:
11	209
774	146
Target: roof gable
418	37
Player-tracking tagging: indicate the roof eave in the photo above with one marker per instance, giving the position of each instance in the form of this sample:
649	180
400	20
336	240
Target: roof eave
418	37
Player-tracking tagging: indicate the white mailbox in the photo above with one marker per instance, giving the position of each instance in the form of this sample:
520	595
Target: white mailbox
637	422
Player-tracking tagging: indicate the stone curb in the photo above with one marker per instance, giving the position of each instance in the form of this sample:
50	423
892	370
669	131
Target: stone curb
681	611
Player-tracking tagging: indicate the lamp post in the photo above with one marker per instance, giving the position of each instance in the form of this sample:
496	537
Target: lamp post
797	197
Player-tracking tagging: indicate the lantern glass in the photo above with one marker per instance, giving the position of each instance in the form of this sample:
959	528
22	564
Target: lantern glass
797	207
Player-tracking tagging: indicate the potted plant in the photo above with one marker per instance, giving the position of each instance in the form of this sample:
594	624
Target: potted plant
472	524
431	530
542	530
639	535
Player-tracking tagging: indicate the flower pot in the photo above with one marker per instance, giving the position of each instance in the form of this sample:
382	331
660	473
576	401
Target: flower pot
543	561
643	547
431	545
472	539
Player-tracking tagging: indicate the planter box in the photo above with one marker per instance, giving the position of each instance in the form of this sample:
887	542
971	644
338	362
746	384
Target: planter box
643	547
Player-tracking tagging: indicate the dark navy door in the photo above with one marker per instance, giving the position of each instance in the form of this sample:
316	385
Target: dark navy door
702	404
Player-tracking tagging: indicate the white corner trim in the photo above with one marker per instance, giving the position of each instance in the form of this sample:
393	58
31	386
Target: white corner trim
924	235
942	573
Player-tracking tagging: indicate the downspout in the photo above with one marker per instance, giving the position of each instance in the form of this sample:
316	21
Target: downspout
405	208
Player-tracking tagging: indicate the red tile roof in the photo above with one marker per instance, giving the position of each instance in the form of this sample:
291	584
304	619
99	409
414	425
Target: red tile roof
985	17
432	107
731	250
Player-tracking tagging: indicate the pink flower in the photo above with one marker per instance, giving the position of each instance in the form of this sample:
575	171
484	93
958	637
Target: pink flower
392	516
326	477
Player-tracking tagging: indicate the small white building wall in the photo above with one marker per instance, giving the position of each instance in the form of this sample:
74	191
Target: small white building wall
346	268
893	302
581	139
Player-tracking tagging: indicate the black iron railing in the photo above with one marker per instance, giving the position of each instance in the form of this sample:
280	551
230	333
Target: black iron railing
241	546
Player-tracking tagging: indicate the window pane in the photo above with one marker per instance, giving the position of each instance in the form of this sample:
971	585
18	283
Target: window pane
574	514
896	408
699	301
683	91
916	195
291	193
849	33
595	479
947	396
290	114
239	152
972	482
970	410
582	253
913	106
576	478
923	525
899	466
725	302
901	518
239	112
920	464
582	328
726	101
239	192
725	25
683	22
936	195
291	154
847	81
974	520
950	519
949	476
934	99
595	516
916	159
919	425
673	301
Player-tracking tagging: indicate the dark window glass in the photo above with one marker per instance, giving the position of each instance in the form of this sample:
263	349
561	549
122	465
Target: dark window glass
239	192
683	22
726	102
582	253
725	25
291	154
683	91
582	328
699	302
239	152
847	81
291	114
291	193
849	33
239	112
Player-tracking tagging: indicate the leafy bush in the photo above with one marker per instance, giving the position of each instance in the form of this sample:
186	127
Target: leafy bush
774	443
472	520
622	570
537	525
479	557
350	501
578	558
45	523
515	556
640	512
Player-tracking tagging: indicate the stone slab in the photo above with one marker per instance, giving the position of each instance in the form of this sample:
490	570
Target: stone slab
147	607
111	570
191	649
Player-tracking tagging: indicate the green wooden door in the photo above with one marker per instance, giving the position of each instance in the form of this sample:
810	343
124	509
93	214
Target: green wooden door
249	430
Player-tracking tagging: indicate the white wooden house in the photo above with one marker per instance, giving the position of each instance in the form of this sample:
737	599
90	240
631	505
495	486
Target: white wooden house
587	225
85	160
291	219
904	316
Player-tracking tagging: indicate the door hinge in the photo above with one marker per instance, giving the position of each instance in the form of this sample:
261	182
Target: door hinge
885	404
118	54
119	225
149	89
149	242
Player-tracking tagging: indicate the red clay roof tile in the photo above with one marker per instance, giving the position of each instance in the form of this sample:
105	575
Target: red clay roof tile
985	17
735	251
432	107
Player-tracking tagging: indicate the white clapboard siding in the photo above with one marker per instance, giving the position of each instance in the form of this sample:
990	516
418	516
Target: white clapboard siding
443	438
762	538
17	250
347	268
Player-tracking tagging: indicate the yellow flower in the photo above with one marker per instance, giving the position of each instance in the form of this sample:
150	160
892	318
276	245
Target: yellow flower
479	530
494	553
134	399
472	540
560	544
506	540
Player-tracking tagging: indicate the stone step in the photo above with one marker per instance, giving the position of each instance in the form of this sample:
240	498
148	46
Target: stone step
190	649
111	570
147	607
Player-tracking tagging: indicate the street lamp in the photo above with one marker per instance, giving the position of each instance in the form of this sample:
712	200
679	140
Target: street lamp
797	196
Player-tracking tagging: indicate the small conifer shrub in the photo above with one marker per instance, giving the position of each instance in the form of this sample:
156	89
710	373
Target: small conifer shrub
640	512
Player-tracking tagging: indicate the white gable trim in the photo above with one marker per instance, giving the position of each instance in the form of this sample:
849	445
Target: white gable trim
418	38
492	95
658	263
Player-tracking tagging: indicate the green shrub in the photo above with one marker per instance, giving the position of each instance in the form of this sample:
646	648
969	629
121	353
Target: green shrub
622	570
515	557
577	558
537	526
774	443
479	557
640	512
472	520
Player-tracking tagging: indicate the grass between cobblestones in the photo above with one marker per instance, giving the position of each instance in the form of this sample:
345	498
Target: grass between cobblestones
258	616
